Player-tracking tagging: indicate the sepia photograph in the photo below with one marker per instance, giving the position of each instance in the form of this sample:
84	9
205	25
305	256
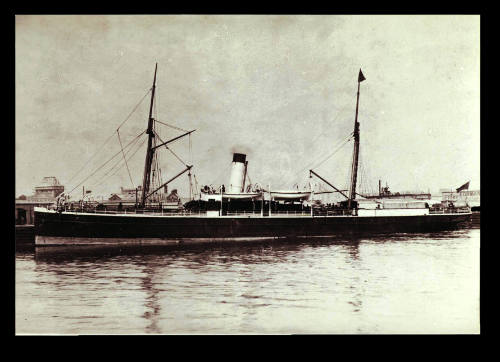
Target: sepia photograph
247	174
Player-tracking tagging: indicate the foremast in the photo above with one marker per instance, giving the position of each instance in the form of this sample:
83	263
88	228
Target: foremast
355	156
150	151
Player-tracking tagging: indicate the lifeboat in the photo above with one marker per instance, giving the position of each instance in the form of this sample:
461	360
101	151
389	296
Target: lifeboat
231	196
290	195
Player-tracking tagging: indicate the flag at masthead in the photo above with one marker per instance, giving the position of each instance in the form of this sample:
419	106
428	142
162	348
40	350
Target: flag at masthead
361	77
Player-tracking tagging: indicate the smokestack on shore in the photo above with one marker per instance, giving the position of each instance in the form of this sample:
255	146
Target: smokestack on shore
238	173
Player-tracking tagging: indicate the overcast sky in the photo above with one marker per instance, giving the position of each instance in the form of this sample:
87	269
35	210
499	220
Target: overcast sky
280	88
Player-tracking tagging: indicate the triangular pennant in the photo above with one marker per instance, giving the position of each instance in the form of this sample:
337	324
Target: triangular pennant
465	186
361	77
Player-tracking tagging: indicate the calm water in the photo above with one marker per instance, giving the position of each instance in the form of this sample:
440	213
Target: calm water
425	283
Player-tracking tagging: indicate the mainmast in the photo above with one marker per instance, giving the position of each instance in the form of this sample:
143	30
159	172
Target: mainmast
150	151
354	171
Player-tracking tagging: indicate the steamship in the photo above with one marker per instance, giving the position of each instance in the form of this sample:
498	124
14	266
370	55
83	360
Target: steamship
240	212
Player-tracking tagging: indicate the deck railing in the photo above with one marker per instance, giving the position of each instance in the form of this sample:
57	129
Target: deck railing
460	210
273	213
337	212
141	212
243	213
316	213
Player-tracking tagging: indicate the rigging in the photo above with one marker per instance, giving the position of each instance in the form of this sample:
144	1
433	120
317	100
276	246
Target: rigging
109	138
124	159
105	163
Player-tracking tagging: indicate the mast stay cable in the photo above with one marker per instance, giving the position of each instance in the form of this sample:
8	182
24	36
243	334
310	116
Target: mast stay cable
105	163
157	135
109	138
169	125
334	152
339	146
339	113
126	164
108	175
114	167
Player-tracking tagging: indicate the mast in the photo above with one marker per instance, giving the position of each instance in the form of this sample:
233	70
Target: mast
354	173
150	151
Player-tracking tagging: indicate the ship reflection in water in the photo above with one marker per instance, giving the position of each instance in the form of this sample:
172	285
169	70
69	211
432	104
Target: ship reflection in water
418	283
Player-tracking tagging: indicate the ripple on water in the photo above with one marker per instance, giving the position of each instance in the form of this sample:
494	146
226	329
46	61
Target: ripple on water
423	283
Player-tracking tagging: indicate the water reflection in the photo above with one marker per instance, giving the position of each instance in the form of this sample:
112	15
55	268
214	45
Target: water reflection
152	299
335	284
248	252
356	286
202	254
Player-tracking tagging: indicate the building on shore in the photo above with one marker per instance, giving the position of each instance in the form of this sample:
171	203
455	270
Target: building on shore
127	199
470	197
384	193
463	195
45	196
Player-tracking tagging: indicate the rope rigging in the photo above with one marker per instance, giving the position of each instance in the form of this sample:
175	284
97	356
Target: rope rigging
156	178
105	163
334	152
339	146
109	138
342	110
365	178
126	164
169	125
114	167
190	150
348	176
104	171
157	135
107	175
195	192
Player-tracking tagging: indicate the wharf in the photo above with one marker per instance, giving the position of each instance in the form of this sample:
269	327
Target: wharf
476	218
25	235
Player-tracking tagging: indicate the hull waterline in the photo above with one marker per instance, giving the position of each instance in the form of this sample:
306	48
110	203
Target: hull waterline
65	228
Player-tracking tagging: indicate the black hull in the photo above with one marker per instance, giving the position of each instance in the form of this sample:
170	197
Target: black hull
73	228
